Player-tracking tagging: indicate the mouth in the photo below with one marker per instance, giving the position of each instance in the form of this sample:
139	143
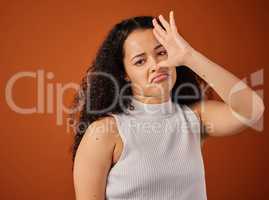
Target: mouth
160	77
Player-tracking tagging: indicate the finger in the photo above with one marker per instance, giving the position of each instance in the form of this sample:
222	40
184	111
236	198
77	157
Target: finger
172	21
164	23
158	36
158	28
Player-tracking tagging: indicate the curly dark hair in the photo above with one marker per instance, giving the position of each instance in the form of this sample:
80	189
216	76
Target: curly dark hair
97	92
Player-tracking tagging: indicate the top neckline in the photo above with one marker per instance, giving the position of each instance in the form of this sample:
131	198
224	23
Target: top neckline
152	111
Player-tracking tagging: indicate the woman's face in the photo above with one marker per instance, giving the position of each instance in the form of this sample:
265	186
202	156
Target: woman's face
142	53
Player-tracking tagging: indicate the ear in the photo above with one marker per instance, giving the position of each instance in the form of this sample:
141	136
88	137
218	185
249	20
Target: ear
126	77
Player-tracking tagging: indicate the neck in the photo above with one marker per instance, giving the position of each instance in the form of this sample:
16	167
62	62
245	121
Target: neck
152	100
152	108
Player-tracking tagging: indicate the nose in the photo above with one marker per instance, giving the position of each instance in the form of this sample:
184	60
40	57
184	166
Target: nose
154	66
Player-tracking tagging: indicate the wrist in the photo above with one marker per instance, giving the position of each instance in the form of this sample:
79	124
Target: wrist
189	55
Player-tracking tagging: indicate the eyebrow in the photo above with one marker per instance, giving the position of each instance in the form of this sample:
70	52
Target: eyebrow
141	54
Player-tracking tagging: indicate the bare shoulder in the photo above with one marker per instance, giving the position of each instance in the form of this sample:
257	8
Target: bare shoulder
99	140
104	129
202	108
197	109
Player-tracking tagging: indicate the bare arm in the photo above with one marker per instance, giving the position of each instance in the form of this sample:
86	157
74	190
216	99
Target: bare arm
242	107
93	161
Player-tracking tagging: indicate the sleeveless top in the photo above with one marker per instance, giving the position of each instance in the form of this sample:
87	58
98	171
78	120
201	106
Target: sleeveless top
161	157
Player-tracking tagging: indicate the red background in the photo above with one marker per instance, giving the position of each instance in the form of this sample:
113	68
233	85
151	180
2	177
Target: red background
62	37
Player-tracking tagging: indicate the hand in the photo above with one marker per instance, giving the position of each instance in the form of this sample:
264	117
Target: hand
176	47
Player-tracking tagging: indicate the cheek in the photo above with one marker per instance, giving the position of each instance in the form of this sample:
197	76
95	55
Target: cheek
174	75
140	78
172	79
137	75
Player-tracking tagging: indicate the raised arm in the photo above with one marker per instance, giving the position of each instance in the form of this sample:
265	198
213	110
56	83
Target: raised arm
241	108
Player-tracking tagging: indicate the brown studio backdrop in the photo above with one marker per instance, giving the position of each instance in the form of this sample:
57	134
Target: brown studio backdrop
62	37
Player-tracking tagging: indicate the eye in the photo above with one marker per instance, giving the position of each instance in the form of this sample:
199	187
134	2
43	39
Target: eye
140	62
162	53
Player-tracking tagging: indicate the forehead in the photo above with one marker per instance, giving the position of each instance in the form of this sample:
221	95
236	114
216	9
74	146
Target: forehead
140	41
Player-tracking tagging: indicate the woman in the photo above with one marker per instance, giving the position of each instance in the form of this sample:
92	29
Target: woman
136	137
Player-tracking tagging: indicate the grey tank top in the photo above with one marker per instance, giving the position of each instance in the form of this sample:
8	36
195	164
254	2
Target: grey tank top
161	157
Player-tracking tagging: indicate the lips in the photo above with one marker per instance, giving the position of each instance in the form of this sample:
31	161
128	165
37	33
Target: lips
159	76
